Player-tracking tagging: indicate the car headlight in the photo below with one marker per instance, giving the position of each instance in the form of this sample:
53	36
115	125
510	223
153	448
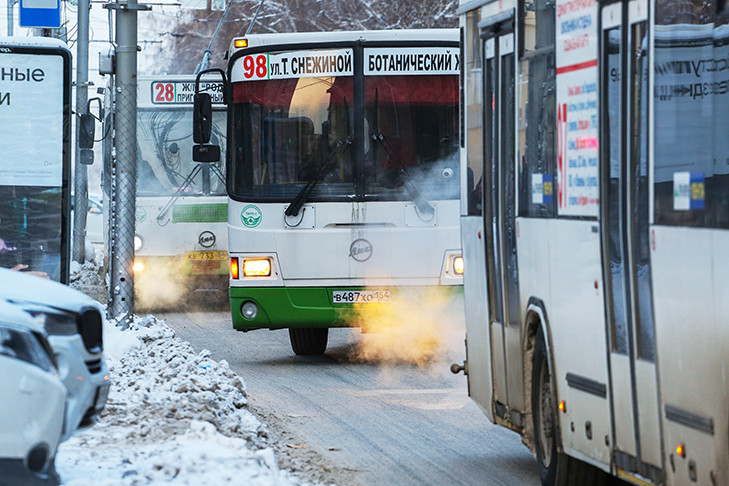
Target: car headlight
26	346
90	324
56	324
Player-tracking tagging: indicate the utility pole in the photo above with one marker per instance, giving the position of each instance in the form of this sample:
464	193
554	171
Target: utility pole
122	249
81	180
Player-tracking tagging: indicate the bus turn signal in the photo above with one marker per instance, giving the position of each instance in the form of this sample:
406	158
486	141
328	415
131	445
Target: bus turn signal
234	268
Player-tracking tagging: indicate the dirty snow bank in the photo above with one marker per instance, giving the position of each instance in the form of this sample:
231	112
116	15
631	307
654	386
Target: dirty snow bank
173	416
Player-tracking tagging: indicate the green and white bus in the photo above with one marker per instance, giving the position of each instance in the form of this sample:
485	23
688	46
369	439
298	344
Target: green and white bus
181	207
595	231
343	166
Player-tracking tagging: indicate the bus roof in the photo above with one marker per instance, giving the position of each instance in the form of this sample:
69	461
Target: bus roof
34	42
364	35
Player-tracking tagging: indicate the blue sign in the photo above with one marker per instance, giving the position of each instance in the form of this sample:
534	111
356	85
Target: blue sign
40	13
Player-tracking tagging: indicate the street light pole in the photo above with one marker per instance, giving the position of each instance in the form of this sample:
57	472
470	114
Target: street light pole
81	181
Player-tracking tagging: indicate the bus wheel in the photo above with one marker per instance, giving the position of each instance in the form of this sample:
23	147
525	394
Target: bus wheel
545	442
308	341
555	468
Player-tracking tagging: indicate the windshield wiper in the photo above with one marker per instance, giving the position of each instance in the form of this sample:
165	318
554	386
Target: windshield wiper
321	173
424	207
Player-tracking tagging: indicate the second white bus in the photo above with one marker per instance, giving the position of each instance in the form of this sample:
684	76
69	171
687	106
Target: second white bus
343	166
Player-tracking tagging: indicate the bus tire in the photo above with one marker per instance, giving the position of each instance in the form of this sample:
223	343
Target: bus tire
308	341
555	468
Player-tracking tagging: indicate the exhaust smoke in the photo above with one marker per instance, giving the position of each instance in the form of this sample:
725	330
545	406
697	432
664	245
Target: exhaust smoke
413	328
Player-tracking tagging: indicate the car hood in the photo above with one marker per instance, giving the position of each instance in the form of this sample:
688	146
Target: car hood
13	315
21	288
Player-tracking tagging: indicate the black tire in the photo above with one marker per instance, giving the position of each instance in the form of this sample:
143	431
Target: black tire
555	468
308	341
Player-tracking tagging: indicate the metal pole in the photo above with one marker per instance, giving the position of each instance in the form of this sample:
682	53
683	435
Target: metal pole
122	254
81	181
11	21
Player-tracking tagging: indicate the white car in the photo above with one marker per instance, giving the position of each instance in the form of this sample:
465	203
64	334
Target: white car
32	401
74	323
95	221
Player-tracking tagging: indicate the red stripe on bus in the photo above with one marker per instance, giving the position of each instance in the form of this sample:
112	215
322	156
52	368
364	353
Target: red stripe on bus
577	67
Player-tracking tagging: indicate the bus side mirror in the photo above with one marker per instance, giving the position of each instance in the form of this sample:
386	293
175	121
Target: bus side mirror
87	131
206	153
202	118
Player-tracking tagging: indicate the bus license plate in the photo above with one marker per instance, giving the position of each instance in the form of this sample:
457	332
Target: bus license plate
361	296
205	256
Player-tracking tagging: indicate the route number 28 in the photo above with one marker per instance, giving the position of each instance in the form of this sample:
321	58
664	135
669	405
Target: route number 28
255	65
165	92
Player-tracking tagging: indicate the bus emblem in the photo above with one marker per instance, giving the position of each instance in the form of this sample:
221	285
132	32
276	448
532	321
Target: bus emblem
360	250
206	239
251	216
141	215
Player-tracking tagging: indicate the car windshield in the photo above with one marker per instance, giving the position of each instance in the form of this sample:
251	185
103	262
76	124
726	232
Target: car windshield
295	133
164	159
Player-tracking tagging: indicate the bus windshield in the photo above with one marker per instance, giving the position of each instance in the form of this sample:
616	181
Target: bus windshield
286	131
290	131
164	160
412	125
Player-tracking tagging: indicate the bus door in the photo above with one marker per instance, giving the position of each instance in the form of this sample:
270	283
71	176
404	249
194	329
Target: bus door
500	221
624	145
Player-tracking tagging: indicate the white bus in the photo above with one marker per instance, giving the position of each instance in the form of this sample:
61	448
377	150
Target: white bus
595	232
35	121
181	213
343	165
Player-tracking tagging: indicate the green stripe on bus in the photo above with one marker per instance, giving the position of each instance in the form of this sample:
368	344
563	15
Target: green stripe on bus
303	307
200	213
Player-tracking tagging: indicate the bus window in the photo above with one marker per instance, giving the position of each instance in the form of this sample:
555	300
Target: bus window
164	145
414	118
295	126
537	138
473	86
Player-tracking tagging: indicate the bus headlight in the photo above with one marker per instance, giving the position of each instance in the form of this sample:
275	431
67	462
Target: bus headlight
137	242
458	265
138	266
257	267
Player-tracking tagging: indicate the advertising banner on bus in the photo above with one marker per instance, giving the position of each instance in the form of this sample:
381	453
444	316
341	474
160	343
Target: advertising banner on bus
577	108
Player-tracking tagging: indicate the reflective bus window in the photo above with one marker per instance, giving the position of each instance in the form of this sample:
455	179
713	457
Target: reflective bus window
473	86
164	148
537	104
299	126
412	125
691	93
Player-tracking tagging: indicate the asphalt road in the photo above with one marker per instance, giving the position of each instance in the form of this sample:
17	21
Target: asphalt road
379	424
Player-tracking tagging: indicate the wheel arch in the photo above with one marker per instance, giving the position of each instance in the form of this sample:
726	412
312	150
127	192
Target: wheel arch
536	319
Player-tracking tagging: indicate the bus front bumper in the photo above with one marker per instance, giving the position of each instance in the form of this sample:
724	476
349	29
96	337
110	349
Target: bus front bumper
311	307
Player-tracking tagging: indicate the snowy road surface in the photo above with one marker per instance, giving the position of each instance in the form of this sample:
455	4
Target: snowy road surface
377	425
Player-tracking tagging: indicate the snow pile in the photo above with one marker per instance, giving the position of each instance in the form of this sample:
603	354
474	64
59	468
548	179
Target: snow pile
88	277
173	416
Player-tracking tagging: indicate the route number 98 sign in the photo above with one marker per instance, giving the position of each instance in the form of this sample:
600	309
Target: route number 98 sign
294	64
